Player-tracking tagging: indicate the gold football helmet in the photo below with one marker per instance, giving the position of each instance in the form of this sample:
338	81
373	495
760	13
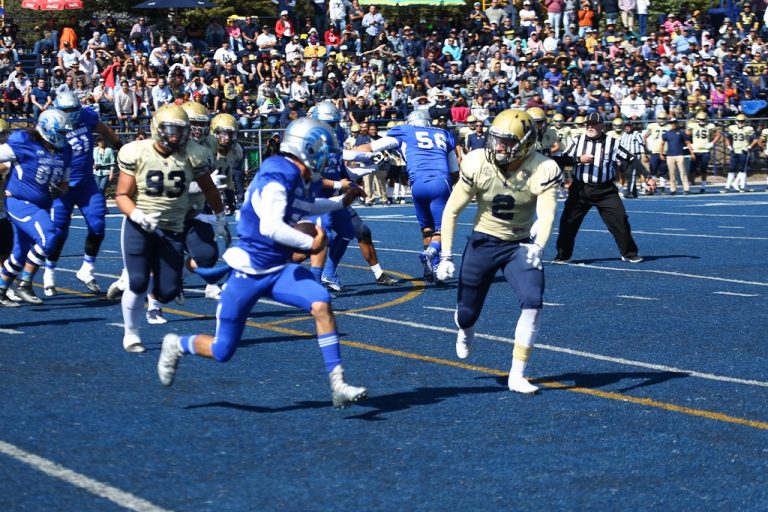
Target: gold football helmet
355	128
580	121
618	124
702	117
540	118
511	137
199	120
224	128
662	118
170	127
558	120
741	119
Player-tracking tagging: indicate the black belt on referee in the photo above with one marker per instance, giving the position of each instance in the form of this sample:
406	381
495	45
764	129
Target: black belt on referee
604	184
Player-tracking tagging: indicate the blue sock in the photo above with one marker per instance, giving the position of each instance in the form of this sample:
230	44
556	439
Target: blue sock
329	346
25	276
336	251
187	344
317	273
89	259
51	264
437	246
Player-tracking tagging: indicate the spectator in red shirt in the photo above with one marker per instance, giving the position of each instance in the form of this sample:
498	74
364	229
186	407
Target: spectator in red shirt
332	39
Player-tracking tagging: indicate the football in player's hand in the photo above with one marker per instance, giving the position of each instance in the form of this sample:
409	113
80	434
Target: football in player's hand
307	228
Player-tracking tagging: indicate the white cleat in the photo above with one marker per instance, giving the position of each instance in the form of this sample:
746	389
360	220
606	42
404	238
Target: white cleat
520	384
464	340
132	343
26	293
85	275
155	317
212	291
342	393
11	294
169	359
115	291
49	282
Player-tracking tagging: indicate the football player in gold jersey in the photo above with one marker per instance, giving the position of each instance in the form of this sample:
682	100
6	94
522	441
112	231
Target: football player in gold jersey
512	184
653	142
704	135
547	141
740	139
152	192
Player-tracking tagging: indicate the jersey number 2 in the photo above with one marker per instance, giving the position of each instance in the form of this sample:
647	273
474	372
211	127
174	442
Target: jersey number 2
503	207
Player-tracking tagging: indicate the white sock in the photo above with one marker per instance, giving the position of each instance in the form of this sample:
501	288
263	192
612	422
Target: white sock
87	265
398	190
390	191
376	269
703	184
133	306
729	180
525	336
153	302
741	180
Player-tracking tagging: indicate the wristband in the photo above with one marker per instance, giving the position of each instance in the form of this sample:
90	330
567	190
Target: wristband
336	186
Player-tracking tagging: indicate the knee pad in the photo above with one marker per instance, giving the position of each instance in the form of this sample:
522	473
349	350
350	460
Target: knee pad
465	316
427	232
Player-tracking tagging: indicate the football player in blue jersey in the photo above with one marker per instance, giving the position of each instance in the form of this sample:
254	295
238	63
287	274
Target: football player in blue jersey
39	160
83	192
280	195
336	179
432	167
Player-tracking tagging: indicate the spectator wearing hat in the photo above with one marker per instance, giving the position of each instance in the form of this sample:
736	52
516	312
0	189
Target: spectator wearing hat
672	24
495	13
477	17
67	55
266	40
271	110
332	89
586	17
249	30
284	29
248	114
528	19
234	34
294	49
747	20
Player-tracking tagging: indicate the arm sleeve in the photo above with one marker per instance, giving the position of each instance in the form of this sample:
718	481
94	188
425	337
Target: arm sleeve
384	144
322	205
546	206
356	156
7	154
270	207
462	194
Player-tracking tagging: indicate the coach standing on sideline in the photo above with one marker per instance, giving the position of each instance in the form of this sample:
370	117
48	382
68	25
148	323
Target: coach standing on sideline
594	159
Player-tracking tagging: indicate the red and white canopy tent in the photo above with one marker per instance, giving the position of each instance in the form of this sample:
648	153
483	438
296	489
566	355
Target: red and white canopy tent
52	5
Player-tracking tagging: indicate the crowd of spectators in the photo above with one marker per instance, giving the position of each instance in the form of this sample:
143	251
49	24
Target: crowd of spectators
565	56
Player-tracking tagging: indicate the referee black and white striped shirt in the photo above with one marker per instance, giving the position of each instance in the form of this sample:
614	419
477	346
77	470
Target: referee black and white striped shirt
605	151
632	142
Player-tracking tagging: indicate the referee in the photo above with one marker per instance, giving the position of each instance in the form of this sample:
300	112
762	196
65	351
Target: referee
632	141
594	157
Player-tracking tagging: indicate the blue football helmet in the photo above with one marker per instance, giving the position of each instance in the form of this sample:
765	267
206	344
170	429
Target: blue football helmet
419	118
325	111
68	103
312	142
53	126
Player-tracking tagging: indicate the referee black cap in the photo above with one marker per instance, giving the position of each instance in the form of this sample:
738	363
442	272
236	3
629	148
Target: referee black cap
595	118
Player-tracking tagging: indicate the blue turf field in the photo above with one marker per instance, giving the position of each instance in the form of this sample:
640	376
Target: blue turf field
654	381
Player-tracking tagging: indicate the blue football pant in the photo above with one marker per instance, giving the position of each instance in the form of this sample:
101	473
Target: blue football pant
483	256
429	200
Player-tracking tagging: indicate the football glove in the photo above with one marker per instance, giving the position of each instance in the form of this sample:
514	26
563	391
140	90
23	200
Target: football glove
533	255
146	221
219	180
445	268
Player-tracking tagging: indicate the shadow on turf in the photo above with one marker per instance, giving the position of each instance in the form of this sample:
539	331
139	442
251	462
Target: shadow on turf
304	404
62	321
384	404
645	259
600	380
